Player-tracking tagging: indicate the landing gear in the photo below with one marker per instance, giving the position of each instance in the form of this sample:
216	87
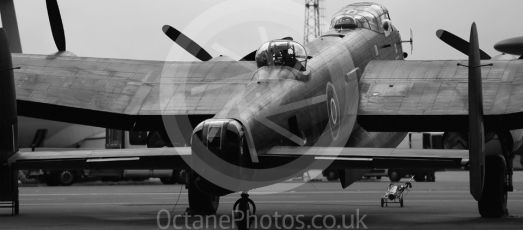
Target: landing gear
201	203
493	202
244	208
55	178
178	176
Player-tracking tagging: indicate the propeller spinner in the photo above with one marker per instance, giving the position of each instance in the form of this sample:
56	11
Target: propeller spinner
510	46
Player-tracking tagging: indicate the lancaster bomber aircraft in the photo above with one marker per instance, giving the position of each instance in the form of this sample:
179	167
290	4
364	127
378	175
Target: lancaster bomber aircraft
344	101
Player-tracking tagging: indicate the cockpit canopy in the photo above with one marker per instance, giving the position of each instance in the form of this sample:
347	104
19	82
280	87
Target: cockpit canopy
360	15
282	53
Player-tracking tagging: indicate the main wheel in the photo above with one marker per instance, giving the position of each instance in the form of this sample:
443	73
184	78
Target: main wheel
401	202
55	178
493	202
201	203
66	177
382	202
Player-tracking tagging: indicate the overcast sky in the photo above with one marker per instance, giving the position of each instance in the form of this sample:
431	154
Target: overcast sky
132	28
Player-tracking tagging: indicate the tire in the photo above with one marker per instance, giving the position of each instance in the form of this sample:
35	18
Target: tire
493	202
66	178
394	175
382	202
378	178
201	203
401	202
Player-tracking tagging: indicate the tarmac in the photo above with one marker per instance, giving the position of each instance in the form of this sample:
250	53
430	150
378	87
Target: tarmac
445	204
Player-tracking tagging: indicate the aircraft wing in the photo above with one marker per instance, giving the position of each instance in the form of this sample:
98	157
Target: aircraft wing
432	95
346	157
168	158
117	93
150	158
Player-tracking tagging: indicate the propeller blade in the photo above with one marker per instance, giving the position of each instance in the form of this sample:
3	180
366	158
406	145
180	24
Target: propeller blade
186	43
476	125
458	43
252	55
57	27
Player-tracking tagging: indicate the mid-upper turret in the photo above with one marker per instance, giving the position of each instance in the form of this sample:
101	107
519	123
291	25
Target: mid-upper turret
366	15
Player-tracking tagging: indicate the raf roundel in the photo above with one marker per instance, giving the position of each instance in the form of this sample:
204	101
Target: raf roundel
333	109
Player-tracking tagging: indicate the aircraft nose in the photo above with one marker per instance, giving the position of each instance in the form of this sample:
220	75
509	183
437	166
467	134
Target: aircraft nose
223	138
219	154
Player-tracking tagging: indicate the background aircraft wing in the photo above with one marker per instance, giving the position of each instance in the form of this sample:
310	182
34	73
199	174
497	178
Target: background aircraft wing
117	93
377	157
157	158
432	95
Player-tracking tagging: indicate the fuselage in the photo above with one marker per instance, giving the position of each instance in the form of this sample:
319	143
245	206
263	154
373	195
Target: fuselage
293	103
318	106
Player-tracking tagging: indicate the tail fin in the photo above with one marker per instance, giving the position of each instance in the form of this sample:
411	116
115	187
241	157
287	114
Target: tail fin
8	113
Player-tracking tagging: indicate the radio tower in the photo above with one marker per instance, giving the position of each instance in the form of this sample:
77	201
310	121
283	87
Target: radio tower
314	19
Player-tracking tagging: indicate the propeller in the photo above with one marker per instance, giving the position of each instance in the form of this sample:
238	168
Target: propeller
476	124
196	50
458	43
186	43
411	41
57	27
